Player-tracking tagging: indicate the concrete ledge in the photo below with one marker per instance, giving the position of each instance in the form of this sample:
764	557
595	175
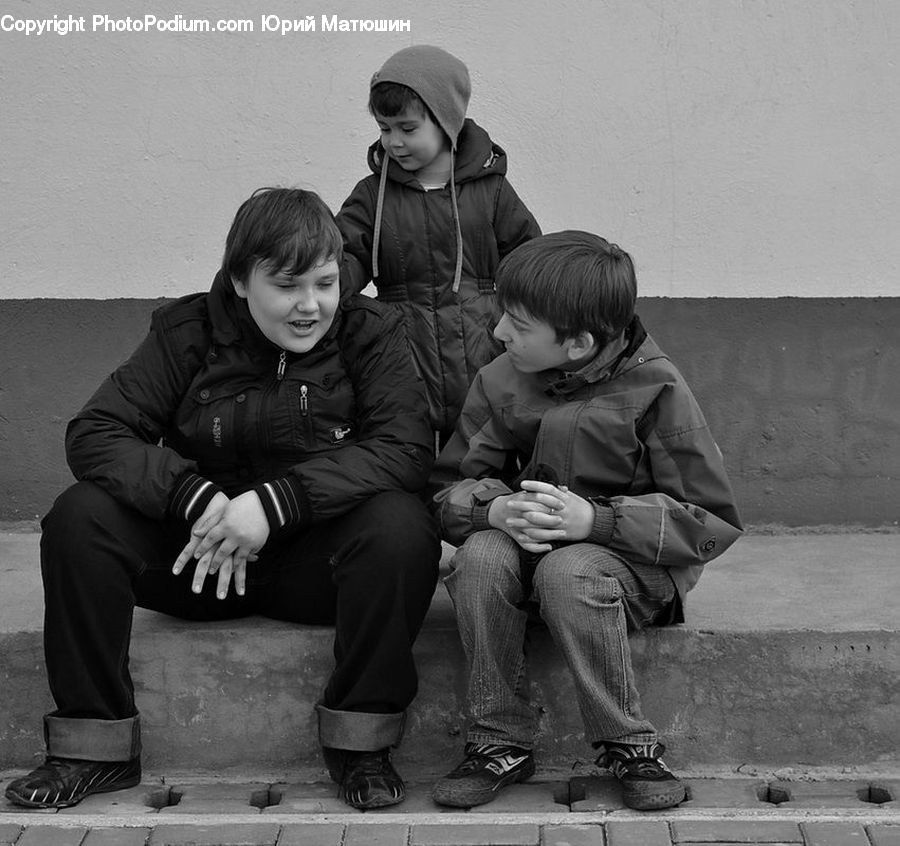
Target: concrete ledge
789	658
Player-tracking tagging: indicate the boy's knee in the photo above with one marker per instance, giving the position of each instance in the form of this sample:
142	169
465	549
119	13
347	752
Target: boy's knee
400	534
77	517
486	552
76	504
487	564
563	577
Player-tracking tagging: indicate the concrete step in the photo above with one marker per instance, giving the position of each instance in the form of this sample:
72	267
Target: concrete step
789	659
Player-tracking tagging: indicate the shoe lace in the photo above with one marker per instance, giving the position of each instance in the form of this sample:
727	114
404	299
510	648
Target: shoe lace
478	755
642	760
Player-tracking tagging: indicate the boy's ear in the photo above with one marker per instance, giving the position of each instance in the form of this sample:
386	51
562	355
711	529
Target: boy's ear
240	287
581	346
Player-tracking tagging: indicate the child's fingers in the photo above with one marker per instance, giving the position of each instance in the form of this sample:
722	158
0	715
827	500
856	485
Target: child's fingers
533	486
531	546
200	571
240	575
532	504
542	519
225	571
185	555
535	534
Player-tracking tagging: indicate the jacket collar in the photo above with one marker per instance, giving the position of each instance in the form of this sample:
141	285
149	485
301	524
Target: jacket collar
617	357
476	156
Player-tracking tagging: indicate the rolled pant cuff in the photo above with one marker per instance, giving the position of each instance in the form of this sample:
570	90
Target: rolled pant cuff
494	740
646	738
359	731
93	740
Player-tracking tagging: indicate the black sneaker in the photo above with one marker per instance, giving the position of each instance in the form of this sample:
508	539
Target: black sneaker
647	783
369	780
62	782
483	773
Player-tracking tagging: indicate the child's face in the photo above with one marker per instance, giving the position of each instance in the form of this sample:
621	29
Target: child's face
531	344
412	138
293	312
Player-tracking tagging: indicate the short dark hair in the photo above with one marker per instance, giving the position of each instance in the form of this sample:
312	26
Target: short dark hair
574	281
287	228
391	98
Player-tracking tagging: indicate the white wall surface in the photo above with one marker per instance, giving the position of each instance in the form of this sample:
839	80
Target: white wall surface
736	148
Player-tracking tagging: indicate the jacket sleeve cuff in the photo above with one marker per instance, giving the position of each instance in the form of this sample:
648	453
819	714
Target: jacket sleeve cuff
481	508
285	504
604	525
191	496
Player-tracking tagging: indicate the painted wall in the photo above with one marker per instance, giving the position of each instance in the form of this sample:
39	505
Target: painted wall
806	412
743	152
737	149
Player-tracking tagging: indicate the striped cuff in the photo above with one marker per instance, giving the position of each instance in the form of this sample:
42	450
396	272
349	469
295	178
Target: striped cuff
604	524
191	496
284	502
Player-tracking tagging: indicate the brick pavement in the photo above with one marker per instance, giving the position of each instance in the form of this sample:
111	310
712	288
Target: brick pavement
574	812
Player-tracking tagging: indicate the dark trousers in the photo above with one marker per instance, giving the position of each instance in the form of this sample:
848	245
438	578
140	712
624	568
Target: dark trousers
370	572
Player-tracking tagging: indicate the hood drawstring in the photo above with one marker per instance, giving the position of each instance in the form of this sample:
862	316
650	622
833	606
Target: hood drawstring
379	211
457	273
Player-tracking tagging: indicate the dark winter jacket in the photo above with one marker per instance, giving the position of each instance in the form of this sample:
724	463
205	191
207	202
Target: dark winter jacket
625	433
449	322
207	403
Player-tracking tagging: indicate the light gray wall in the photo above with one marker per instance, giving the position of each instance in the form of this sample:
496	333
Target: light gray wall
737	149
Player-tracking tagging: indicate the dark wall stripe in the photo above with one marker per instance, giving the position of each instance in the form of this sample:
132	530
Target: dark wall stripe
803	396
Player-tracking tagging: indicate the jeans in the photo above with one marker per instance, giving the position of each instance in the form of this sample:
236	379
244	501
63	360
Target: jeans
370	572
589	598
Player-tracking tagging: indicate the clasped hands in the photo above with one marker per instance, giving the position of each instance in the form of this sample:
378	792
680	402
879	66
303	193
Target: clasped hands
540	514
226	536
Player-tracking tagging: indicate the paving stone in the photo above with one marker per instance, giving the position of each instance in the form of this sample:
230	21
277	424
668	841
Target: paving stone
834	834
466	834
117	837
821	794
595	793
735	831
574	835
319	798
530	798
135	801
217	798
48	835
724	793
884	835
311	834
637	834
376	834
9	833
248	834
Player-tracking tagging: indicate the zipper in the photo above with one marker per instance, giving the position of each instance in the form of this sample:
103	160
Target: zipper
282	363
304	413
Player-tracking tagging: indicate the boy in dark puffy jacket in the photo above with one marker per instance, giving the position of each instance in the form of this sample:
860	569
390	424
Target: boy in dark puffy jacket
581	481
433	221
261	452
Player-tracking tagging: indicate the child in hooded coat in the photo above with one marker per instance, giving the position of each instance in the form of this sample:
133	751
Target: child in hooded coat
433	221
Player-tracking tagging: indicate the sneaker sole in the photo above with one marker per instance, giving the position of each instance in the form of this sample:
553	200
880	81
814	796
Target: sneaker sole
654	800
456	795
375	802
